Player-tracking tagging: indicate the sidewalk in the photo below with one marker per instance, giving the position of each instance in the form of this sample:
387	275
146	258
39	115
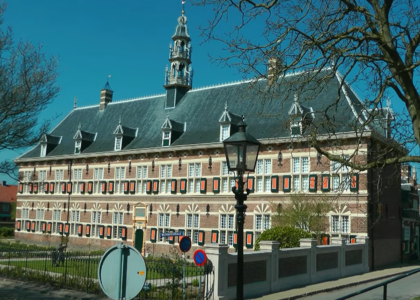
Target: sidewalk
340	283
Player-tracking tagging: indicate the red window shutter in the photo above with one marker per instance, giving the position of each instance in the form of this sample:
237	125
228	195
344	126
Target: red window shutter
52	187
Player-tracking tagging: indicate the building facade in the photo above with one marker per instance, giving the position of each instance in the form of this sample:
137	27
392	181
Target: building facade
7	199
133	169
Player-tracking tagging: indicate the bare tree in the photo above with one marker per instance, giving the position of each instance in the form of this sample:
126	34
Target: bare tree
27	86
372	42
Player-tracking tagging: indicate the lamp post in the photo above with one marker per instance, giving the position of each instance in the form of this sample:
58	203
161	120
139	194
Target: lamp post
241	150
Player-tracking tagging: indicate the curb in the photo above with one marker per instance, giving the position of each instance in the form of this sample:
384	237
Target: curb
339	287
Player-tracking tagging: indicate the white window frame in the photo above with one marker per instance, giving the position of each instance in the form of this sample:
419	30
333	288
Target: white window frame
40	214
194	177
56	218
192	226
59	177
142	177
163	225
117	224
43	150
96	218
342	174
74	220
166	136
98	176
263	171
78	147
227	228
118	143
340	219
300	173
263	224
120	176
224	131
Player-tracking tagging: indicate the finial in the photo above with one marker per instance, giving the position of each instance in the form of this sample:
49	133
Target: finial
183	7
109	76
167	114
80	126
119	121
75	102
388	102
226	105
296	98
243	118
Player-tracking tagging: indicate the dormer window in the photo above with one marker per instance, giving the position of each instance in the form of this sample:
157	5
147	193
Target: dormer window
43	150
123	136
166	140
224	131
82	140
228	122
77	147
171	131
300	117
118	143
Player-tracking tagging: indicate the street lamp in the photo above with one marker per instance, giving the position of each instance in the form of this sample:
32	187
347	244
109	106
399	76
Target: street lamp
241	150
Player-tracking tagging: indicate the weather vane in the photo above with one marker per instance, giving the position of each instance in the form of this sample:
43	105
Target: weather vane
183	6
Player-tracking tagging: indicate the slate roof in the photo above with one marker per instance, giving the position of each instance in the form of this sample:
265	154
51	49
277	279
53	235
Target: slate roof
265	110
8	193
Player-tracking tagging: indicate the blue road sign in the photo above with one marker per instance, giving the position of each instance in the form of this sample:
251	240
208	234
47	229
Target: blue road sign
185	244
200	257
122	272
168	234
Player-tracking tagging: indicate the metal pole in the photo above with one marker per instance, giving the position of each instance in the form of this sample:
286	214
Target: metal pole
385	292
8	264
120	248
183	276
240	197
88	275
199	284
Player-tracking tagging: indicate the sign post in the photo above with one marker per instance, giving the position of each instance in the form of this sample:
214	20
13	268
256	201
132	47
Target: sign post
184	246
130	267
200	259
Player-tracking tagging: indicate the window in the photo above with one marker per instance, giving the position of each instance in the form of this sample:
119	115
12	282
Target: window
42	176
117	222
118	143
119	179
27	177
227	228
98	175
192	226
340	176
340	224
263	182
228	179
43	150
5	207
25	217
166	138
261	223
194	174
39	219
224	131
74	219
96	221
164	222
165	182
300	171
59	177
56	217
141	179
77	147
77	178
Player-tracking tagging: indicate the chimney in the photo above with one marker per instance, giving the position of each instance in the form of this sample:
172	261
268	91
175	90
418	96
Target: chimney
106	96
274	64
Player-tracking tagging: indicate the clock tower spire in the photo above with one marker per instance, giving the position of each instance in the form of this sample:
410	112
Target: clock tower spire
179	75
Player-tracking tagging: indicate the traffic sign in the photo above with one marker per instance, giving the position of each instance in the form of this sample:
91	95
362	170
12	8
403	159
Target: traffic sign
122	272
200	257
185	244
168	234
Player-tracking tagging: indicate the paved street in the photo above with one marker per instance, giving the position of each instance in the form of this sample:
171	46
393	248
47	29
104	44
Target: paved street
404	289
18	290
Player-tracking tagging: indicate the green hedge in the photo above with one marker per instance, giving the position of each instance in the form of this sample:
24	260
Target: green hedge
6	231
288	236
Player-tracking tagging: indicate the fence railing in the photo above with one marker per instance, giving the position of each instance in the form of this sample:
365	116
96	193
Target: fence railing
382	284
79	271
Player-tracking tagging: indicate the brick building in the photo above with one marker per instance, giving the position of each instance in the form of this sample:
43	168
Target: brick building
115	170
8	195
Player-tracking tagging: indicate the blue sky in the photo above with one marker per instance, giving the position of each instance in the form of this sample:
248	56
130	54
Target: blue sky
128	40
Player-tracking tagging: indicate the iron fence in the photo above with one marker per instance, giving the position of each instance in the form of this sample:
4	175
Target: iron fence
166	278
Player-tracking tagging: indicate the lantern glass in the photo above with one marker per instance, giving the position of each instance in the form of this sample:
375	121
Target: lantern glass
241	156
